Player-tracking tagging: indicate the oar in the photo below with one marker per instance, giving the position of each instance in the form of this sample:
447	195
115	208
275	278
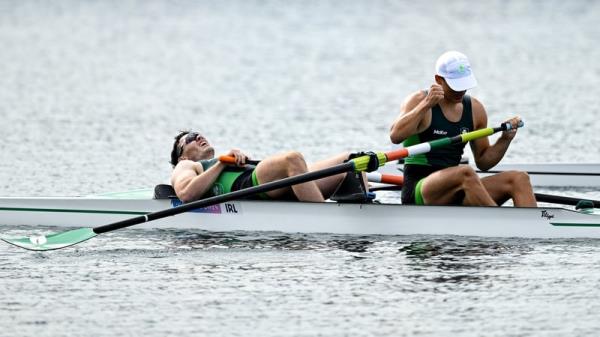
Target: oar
558	199
359	164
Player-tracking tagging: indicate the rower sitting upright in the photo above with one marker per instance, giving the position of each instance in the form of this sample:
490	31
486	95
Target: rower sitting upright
198	174
437	178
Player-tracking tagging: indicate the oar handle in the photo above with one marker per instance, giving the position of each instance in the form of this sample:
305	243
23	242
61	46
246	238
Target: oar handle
508	126
231	160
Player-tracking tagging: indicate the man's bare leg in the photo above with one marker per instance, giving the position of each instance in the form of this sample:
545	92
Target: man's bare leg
441	187
287	165
510	185
328	185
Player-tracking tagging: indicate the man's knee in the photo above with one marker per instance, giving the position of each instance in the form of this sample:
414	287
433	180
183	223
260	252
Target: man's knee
518	178
294	157
467	174
294	161
512	181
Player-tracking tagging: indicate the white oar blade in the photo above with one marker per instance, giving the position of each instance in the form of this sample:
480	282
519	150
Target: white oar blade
52	241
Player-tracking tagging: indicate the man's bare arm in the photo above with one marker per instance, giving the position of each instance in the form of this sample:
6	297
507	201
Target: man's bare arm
487	156
413	112
191	182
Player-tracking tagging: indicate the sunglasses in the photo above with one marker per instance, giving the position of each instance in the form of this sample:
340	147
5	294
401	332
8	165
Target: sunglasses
192	136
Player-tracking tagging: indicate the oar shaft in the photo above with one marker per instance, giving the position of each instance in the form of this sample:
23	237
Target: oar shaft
557	199
361	163
394	179
299	179
443	142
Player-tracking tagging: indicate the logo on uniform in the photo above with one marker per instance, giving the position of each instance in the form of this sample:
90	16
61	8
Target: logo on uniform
464	130
440	132
218	189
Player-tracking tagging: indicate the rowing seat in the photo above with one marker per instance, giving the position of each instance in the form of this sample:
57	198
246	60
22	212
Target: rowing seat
164	191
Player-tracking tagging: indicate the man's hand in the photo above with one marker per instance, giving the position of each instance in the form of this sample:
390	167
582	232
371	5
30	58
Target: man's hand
434	95
240	158
510	134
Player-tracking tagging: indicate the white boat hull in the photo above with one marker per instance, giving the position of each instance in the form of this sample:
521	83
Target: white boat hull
293	217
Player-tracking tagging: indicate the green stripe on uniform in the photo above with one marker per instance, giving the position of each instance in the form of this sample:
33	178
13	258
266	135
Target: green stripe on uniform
256	183
418	194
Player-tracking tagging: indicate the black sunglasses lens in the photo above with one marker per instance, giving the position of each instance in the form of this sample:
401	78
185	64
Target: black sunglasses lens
191	137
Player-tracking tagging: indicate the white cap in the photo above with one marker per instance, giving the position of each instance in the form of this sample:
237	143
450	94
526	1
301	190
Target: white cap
455	68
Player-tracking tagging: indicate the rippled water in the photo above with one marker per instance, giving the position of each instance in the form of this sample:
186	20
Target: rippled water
93	92
271	284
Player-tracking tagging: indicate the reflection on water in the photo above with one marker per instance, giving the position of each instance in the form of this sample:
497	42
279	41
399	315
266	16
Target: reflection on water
461	262
282	280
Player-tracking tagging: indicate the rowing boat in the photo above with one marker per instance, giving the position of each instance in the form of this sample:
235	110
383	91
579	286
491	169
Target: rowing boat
541	174
303	217
231	211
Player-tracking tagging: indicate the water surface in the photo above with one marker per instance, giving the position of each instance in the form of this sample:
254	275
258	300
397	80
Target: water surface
93	92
